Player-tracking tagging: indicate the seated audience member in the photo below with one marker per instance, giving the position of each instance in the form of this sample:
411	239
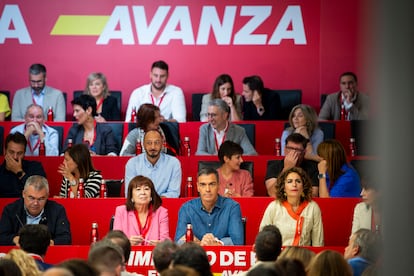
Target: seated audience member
294	212
162	254
164	170
354	105
216	220
362	251
4	107
142	218
35	131
267	246
234	182
367	214
219	129
329	263
302	254
26	263
35	239
148	118
303	120
179	270
337	178
106	105
258	104
40	94
34	208
9	267
14	170
194	256
98	136
169	98
78	165
76	267
266	269
294	157
107	258
291	267
223	88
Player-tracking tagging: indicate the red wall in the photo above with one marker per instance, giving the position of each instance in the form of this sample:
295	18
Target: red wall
331	29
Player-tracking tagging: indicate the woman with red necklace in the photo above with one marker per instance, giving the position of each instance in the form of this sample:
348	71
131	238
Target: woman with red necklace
142	218
294	212
106	105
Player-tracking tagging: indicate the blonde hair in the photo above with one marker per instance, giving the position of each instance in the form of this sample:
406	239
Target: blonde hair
329	263
310	116
26	263
302	254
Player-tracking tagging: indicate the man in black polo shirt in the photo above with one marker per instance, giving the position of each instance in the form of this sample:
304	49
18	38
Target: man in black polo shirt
294	157
14	171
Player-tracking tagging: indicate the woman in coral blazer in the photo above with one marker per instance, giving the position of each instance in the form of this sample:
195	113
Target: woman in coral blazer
142	218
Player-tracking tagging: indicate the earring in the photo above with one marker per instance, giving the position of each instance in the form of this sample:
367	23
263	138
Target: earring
302	195
132	200
150	198
284	194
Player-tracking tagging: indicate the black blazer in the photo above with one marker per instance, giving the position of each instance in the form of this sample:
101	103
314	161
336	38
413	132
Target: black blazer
110	110
54	216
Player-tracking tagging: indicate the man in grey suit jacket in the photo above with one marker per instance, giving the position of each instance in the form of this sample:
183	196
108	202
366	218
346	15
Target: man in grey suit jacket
39	94
219	129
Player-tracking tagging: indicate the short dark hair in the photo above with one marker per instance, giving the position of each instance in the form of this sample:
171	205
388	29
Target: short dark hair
163	253
352	74
268	243
17	138
194	256
297	138
208	171
160	64
118	237
228	149
37	68
85	101
139	181
254	83
79	267
105	256
34	238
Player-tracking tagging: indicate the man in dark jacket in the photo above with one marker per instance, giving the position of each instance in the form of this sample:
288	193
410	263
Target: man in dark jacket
14	171
34	208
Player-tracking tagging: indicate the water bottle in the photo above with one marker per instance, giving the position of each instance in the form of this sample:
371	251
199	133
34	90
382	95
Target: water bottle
94	233
352	146
277	147
189	236
50	114
138	147
70	143
189	187
186	145
102	191
42	148
81	188
133	114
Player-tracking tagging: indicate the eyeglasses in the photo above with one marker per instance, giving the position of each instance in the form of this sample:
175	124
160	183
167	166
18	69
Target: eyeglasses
295	149
36	81
212	115
39	200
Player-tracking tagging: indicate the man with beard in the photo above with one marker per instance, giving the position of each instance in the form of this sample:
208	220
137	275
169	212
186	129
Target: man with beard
163	169
40	94
14	171
35	131
169	98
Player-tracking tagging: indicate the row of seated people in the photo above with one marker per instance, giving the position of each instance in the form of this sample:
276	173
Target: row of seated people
120	138
170	173
146	218
258	103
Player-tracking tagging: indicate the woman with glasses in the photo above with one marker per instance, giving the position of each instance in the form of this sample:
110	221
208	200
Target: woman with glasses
143	220
294	212
304	120
78	165
97	136
223	88
337	178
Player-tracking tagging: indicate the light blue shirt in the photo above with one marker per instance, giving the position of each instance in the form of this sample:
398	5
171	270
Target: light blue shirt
39	97
224	221
51	140
165	174
33	220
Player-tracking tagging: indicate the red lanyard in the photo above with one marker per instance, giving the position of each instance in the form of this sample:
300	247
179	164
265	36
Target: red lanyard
99	104
153	102
32	149
144	230
222	139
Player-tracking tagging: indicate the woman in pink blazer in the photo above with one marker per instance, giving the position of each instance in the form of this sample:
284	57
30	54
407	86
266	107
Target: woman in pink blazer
142	218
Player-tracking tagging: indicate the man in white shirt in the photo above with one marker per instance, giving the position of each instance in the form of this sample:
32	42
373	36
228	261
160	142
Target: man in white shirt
169	98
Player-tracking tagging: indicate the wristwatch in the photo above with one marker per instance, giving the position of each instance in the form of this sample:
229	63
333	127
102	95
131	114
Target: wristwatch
19	174
321	175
